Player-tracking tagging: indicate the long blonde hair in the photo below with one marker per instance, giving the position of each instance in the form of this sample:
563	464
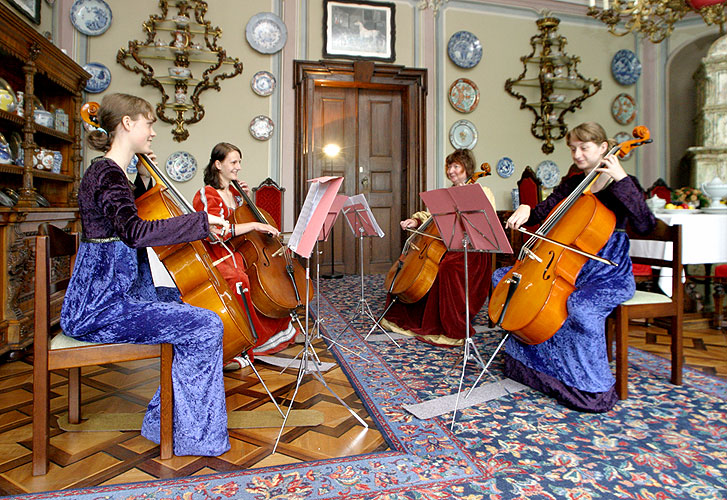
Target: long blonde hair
114	107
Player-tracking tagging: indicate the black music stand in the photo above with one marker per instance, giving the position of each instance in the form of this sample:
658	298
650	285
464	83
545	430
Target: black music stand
363	225
466	222
311	221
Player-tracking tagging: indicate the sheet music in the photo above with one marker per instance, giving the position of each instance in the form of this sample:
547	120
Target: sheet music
358	213
318	201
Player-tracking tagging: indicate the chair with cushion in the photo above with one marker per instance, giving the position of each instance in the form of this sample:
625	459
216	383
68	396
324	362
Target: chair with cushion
644	305
269	196
529	191
65	353
720	282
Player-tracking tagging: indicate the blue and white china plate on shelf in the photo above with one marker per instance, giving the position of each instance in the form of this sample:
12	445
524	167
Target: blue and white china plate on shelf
623	109
505	167
623	137
263	83
181	166
626	67
464	95
132	168
100	77
463	134
548	173
6	155
464	49
261	128
91	17
266	33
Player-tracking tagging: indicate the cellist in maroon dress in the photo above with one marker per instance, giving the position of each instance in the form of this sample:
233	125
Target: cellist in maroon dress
439	317
219	197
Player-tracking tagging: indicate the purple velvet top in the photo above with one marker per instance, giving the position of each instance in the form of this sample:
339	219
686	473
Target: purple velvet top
624	198
107	207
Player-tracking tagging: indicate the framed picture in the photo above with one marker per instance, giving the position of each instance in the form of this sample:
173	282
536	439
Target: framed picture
356	29
30	8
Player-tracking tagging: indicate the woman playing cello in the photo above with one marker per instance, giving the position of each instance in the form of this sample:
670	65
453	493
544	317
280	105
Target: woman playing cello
439	317
572	365
219	197
111	295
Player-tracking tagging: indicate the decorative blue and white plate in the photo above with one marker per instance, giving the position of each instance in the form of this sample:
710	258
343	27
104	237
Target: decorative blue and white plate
463	134
181	166
132	168
626	67
505	167
623	137
548	173
263	83
100	77
261	128
91	17
266	33
464	49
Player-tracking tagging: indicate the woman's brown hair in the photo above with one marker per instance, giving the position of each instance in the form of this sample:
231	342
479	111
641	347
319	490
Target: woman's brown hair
464	157
589	132
114	107
219	153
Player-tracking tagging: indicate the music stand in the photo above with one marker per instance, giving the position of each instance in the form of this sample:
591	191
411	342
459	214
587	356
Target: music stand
321	196
466	222
363	225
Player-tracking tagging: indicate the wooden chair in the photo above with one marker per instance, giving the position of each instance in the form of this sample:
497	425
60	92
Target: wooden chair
52	242
269	196
646	305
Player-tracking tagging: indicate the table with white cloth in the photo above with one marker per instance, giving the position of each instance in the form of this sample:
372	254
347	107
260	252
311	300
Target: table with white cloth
704	241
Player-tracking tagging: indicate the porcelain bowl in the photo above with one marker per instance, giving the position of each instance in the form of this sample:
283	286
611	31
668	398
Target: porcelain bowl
714	190
43	118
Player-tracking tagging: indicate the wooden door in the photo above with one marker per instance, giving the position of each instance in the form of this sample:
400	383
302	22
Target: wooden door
366	125
375	113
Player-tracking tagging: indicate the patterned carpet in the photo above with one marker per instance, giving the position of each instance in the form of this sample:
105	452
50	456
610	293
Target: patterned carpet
663	442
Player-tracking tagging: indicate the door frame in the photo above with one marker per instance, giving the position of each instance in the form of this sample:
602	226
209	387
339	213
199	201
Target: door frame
411	82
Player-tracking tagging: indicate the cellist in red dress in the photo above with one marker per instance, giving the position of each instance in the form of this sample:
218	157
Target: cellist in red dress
219	197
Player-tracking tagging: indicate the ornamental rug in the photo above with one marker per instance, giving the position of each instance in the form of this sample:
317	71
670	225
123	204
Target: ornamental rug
663	442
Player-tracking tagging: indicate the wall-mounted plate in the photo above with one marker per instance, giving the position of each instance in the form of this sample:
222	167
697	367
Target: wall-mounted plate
263	83
505	167
463	134
464	49
261	128
91	17
266	33
548	173
181	166
464	95
626	67
623	109
100	77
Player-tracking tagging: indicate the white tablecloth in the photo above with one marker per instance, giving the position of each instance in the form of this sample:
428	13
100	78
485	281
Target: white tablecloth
704	241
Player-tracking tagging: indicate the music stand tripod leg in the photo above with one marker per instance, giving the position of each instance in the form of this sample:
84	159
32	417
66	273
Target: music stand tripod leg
307	354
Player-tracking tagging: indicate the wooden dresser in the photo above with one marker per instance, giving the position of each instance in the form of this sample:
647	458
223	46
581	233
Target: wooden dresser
31	64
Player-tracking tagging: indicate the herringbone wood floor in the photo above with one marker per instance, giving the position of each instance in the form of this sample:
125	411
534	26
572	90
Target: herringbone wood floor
97	458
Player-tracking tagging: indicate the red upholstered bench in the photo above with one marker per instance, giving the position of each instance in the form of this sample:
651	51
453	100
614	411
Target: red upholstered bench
720	281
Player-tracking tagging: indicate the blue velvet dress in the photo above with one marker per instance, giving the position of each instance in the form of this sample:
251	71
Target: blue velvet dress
112	298
572	366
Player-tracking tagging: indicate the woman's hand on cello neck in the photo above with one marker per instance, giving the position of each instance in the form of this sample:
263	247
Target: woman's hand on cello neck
409	224
518	217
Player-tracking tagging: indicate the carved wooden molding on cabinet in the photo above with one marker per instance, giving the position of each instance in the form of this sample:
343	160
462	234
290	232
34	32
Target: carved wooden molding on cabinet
187	56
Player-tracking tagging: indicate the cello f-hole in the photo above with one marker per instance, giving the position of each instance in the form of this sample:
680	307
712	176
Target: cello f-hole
546	274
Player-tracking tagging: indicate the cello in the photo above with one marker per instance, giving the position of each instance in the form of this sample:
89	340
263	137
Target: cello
276	280
189	264
530	300
414	272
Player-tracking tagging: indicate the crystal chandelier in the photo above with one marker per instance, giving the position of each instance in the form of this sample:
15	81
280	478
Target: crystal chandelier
654	19
435	5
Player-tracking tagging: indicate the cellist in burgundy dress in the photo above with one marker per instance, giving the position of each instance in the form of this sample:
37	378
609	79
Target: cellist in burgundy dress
572	365
219	197
439	317
111	296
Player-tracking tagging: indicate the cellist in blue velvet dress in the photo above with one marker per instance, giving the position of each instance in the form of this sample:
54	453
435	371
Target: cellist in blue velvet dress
572	365
111	296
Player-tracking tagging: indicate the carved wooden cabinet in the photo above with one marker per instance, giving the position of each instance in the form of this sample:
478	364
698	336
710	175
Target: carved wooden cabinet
33	65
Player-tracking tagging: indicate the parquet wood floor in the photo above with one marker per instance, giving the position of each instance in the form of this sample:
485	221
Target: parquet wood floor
100	458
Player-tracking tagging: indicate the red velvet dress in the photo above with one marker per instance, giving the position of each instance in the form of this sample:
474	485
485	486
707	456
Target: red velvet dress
273	334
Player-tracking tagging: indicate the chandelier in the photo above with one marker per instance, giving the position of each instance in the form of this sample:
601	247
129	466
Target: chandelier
435	5
654	19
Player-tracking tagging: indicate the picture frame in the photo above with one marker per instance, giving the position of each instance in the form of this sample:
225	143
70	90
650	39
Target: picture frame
29	8
359	29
